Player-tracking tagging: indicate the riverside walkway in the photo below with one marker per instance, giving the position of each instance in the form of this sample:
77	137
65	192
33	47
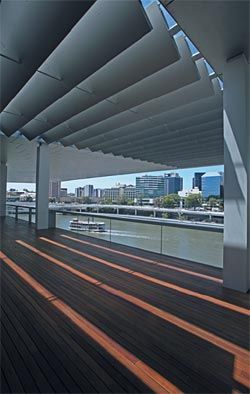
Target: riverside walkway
81	315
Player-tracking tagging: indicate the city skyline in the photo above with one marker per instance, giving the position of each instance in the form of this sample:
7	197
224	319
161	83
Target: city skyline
110	181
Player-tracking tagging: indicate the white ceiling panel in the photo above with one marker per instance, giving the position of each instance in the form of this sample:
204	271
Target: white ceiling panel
175	76
24	24
129	67
76	58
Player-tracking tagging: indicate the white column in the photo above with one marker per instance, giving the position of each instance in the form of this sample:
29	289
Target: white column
42	187
237	174
3	174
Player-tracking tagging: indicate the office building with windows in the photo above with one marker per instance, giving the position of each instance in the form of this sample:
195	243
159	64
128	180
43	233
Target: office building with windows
112	194
79	192
128	192
88	191
63	192
173	183
149	186
54	189
98	193
197	180
212	183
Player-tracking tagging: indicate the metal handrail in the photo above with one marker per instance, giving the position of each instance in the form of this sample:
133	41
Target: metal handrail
131	218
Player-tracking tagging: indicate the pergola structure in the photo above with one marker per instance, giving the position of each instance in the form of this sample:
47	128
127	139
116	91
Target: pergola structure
94	88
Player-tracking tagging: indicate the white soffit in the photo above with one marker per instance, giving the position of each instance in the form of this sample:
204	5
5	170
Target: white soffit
173	77
129	67
30	31
219	29
198	90
191	114
68	163
76	58
159	131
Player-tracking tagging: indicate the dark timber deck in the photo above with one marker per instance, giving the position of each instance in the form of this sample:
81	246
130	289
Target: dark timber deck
135	302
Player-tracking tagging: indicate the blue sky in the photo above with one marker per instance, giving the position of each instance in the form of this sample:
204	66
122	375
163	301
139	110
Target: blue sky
110	181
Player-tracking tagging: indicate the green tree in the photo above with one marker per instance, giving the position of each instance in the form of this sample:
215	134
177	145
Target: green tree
193	201
221	204
213	202
122	201
171	201
165	215
181	216
107	201
85	200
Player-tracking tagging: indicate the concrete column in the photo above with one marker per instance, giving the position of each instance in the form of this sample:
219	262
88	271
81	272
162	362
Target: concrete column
237	174
42	187
3	174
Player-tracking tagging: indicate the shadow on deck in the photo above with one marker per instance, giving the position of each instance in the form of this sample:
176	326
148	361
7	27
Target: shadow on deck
81	315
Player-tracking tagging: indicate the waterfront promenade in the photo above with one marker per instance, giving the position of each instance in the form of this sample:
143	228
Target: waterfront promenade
85	315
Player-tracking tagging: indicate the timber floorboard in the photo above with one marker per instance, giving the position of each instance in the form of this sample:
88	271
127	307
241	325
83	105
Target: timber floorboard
44	352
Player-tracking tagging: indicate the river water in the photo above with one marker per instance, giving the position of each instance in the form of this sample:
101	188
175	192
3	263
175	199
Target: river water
201	246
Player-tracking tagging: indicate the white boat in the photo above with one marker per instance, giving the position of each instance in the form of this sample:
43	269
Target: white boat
79	225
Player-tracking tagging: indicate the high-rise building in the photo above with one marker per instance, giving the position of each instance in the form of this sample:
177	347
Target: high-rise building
149	186
54	189
63	192
85	191
88	191
79	192
212	183
98	193
197	180
173	183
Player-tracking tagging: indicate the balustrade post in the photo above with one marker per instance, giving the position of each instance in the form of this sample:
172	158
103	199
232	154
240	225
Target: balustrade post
161	240
30	215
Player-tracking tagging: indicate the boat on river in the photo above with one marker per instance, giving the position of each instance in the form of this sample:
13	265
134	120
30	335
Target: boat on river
78	225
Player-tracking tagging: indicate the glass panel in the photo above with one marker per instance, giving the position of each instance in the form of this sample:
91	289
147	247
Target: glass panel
138	235
209	68
63	221
169	19
10	211
192	47
201	246
25	216
196	245
23	213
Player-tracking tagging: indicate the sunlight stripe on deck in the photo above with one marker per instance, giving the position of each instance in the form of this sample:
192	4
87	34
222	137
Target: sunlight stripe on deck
144	372
242	359
144	259
156	281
